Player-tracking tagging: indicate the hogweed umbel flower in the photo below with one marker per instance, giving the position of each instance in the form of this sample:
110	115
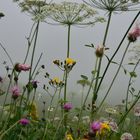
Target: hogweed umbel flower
114	5
72	13
38	9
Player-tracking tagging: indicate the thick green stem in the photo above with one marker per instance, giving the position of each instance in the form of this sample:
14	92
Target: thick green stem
115	75
66	73
65	87
68	47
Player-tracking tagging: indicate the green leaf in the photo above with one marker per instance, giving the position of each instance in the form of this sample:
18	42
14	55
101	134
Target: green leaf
1	14
84	77
125	71
114	62
133	74
93	72
131	63
29	87
90	46
2	92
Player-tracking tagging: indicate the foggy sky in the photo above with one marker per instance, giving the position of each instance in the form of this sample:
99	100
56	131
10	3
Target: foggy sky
52	41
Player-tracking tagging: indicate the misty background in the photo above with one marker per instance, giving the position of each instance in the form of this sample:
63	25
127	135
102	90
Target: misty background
52	41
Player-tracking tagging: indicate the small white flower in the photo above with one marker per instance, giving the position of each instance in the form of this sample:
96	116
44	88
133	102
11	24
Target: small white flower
56	119
86	119
75	119
111	110
127	136
50	109
137	111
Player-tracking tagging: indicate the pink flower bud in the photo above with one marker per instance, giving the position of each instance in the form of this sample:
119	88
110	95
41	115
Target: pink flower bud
22	67
134	33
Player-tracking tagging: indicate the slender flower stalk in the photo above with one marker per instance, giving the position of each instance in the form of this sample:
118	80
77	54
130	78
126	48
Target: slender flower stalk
33	53
129	83
120	64
8	55
126	113
7	92
30	39
90	87
100	60
2	134
119	46
46	128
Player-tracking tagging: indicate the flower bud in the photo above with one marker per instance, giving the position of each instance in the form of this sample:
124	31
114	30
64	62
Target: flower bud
99	51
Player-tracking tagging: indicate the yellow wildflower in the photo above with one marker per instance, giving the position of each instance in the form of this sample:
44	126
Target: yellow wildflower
33	112
105	125
69	137
70	61
56	80
105	128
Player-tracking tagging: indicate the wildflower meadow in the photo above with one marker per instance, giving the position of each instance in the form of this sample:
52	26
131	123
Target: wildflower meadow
32	109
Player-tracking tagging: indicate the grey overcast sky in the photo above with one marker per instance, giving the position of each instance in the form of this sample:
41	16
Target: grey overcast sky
52	41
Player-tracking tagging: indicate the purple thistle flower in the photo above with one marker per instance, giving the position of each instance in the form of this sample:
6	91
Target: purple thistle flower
15	91
67	106
95	126
24	121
